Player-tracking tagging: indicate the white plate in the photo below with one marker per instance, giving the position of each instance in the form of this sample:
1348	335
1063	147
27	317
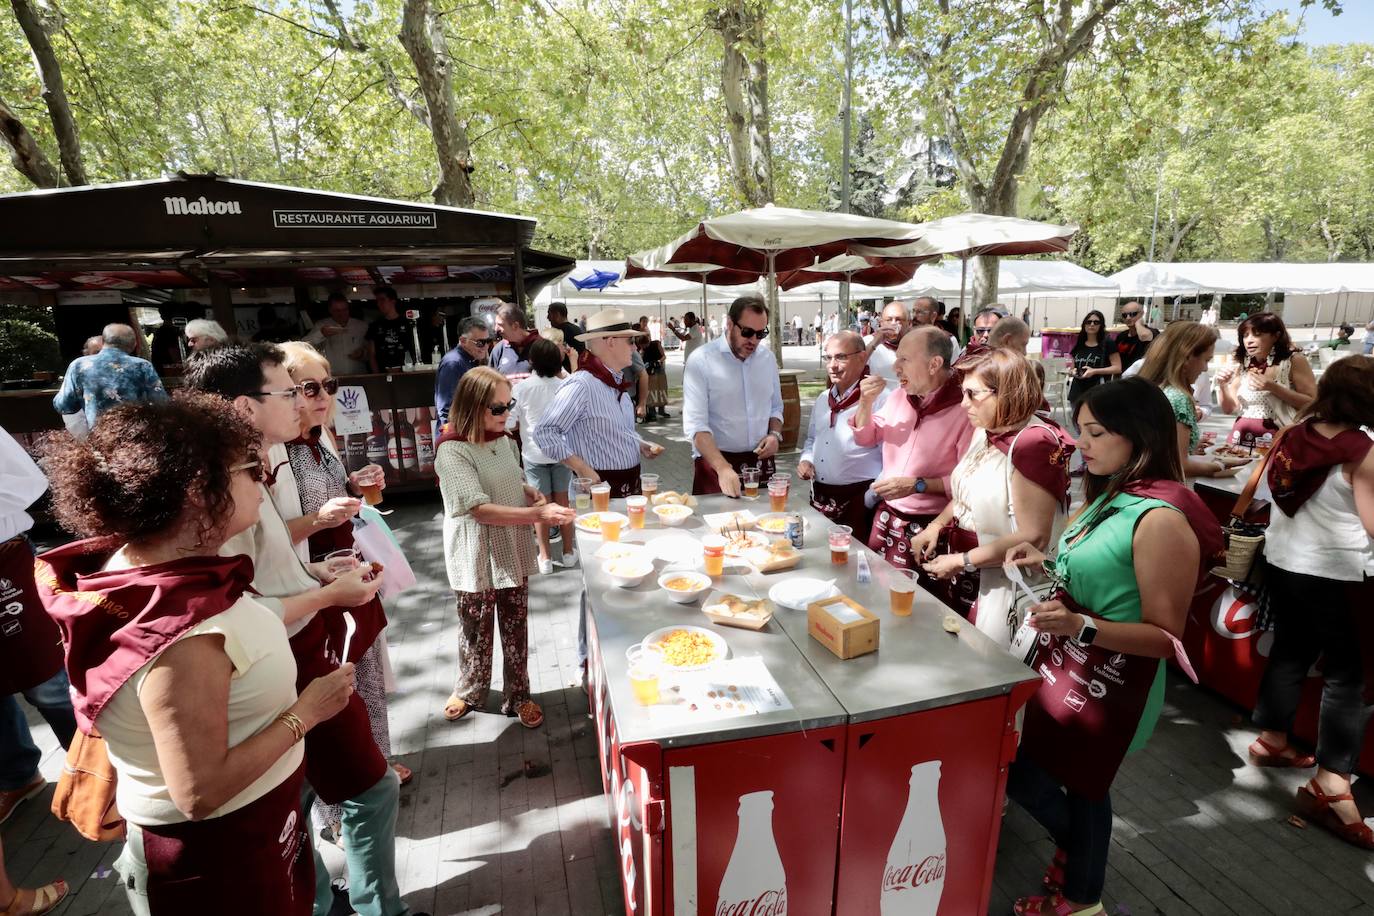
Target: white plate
749	540
781	532
721	646
616	550
677	548
590	529
797	593
718	520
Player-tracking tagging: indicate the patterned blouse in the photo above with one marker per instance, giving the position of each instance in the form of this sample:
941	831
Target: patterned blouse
480	557
320	475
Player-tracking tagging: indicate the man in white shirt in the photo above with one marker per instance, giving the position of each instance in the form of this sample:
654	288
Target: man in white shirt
341	338
840	468
732	402
893	323
797	328
691	333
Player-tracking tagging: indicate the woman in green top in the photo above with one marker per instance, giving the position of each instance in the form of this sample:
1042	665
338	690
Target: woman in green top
1121	557
1174	363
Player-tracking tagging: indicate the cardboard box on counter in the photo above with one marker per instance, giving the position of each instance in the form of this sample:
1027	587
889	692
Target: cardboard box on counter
845	627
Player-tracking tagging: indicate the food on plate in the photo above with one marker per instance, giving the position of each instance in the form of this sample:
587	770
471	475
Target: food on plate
1231	451
725	522
774	524
672	510
730	606
592	521
736	543
682	583
684	648
674	498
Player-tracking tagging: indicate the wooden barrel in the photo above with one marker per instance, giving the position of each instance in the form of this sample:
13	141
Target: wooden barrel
791	408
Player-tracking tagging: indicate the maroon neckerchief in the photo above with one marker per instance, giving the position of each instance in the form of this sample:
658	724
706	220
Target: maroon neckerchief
311	440
839	406
113	623
589	363
1303	458
1041	459
947	395
1211	547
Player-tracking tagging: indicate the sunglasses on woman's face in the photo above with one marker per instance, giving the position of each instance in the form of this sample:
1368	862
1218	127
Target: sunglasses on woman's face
312	388
499	409
253	466
748	333
1089	321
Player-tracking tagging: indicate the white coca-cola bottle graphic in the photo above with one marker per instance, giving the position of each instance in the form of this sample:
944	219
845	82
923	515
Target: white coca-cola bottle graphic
754	883
914	876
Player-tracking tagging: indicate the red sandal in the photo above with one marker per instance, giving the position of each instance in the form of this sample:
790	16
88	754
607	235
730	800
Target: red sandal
1315	805
1054	879
1053	905
1272	756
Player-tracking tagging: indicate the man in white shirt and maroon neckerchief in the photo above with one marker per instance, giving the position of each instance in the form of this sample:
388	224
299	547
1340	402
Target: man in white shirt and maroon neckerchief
840	469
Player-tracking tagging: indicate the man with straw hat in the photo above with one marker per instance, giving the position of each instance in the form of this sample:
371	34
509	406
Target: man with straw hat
590	424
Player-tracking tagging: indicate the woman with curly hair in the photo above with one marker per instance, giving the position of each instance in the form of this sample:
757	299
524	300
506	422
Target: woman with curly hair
189	679
1270	382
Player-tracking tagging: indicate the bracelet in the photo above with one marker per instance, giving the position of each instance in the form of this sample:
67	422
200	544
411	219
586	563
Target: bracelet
293	722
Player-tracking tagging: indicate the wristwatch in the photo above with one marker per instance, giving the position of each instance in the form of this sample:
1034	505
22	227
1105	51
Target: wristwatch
920	486
1088	633
775	434
968	564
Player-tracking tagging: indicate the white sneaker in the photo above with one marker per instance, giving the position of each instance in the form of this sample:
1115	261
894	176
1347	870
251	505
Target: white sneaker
545	566
568	560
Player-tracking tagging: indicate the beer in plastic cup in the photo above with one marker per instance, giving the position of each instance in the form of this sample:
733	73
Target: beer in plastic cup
713	554
839	544
901	592
750	478
634	508
371	485
582	493
778	486
601	497
644	683
610	527
648	485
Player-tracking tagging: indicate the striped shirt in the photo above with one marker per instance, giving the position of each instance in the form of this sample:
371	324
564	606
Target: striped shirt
587	419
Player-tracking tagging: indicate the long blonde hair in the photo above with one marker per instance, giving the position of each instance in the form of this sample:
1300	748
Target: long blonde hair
1167	356
467	415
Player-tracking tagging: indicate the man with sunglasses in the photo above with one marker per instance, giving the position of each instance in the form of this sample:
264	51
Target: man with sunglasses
343	764
732	402
1132	343
472	349
341	338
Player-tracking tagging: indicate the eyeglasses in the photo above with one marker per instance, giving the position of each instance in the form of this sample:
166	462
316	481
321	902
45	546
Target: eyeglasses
750	333
483	342
981	332
839	357
293	392
977	394
312	388
499	409
1091	321
1130	314
253	466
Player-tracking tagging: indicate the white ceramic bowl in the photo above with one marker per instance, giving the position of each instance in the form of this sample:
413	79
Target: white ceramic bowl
685	596
627	572
672	516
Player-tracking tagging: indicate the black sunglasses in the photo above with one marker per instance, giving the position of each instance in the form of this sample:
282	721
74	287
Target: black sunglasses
749	333
1092	321
499	409
312	388
484	342
1130	314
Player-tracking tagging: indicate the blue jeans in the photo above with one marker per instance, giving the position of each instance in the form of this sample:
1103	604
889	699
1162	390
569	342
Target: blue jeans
19	756
369	833
1082	828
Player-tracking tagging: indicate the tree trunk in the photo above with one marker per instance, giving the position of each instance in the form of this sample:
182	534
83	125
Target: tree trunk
25	153
422	35
54	91
1178	235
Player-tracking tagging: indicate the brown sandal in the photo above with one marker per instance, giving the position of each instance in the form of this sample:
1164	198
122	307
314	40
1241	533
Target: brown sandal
529	713
36	901
1315	805
456	707
403	772
1270	756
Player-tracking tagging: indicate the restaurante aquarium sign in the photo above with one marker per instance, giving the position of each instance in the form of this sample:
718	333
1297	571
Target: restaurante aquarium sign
354	219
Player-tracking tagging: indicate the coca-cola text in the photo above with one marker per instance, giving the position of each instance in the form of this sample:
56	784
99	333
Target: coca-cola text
769	903
929	869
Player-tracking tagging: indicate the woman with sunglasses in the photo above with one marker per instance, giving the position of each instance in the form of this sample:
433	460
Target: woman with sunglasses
188	677
489	518
1094	360
1269	383
318	500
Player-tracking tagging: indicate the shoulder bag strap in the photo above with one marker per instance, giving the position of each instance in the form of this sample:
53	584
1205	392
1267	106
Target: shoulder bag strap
1247	495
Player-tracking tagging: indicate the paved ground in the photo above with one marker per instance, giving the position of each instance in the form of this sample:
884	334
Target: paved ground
500	819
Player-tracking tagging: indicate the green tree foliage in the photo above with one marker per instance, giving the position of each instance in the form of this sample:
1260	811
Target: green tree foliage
25	348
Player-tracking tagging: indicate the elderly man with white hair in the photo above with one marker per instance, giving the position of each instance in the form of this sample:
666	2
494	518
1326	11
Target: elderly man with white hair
94	384
202	334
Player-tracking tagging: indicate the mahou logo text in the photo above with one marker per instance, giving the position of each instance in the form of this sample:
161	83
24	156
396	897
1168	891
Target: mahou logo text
180	206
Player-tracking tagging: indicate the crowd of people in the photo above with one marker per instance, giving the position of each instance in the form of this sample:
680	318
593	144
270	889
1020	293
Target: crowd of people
216	627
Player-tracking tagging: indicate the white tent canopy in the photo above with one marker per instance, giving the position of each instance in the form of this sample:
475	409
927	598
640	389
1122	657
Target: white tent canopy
1147	278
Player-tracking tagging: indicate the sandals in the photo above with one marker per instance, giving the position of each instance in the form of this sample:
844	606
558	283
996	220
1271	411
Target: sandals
405	773
456	707
1053	905
529	713
1054	879
1270	756
1315	805
36	901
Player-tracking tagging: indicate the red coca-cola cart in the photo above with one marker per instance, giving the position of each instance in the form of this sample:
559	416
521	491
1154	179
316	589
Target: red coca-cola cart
878	790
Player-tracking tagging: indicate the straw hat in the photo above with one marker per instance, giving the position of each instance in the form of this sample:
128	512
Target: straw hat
609	323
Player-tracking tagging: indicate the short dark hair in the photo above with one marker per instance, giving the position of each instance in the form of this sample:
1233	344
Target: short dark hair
752	303
1348	329
1345	393
385	290
546	358
337	297
231	370
144	463
509	311
559	308
468	325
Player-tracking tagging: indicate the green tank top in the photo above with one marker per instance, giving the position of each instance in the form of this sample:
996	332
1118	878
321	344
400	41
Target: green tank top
1099	573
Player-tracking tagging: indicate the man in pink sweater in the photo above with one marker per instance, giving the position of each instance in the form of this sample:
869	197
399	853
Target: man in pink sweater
923	430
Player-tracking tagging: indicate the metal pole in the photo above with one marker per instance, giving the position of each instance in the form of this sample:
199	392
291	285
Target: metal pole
1154	224
963	278
843	307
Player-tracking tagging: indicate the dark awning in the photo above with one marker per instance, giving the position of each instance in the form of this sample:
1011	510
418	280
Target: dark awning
191	231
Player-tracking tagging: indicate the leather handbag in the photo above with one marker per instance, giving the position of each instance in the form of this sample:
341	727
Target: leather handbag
85	794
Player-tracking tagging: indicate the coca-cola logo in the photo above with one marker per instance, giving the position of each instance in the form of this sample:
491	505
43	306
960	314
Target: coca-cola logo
927	871
769	903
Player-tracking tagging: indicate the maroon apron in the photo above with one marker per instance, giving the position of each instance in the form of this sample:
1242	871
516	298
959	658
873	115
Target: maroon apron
30	643
890	538
253	860
370	618
843	504
960	594
623	483
1084	715
1247	431
705	482
341	756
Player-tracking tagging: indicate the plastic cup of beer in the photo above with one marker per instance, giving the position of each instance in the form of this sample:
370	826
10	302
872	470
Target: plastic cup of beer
644	682
370	481
601	497
750	478
839	544
901	591
582	493
713	554
648	485
778	486
610	527
634	508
